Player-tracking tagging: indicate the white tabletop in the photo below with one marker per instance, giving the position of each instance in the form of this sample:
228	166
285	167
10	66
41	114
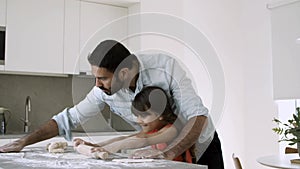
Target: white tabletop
40	158
280	161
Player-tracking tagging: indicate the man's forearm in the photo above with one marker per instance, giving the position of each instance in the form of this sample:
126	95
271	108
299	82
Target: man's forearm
187	137
46	131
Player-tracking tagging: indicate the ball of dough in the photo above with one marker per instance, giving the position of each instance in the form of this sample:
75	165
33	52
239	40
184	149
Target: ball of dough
57	147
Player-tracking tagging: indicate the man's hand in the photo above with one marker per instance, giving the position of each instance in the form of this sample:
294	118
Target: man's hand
15	146
152	153
46	131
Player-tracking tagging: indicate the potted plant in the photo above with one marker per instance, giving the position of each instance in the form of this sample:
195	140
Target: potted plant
289	131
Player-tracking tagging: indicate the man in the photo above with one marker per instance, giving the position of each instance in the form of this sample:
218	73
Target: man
119	76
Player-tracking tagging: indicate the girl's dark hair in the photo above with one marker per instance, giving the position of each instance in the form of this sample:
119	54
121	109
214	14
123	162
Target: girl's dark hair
154	99
112	55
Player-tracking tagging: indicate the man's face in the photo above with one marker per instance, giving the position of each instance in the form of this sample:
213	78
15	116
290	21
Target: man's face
106	80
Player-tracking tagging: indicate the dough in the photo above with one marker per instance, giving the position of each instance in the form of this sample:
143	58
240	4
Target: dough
57	147
86	150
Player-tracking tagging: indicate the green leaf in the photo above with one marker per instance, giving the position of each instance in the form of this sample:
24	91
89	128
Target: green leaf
276	120
291	144
296	119
289	131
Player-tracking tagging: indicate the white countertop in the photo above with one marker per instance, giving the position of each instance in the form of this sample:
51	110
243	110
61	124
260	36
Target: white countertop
75	134
93	137
38	157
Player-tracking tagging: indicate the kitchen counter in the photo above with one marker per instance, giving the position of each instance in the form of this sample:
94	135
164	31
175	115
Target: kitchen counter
75	134
38	157
90	136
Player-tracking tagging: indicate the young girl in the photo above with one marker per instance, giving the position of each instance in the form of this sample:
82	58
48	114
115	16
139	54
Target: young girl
156	118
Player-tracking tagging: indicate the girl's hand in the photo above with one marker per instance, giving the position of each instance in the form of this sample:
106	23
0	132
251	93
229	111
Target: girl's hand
78	141
98	149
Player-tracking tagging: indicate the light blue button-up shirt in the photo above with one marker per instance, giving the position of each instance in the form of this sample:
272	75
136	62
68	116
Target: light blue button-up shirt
155	70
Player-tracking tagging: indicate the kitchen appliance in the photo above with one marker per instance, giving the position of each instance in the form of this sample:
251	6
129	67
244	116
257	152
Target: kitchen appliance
2	45
3	121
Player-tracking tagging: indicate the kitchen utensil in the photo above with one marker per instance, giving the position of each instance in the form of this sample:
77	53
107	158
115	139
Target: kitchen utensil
3	121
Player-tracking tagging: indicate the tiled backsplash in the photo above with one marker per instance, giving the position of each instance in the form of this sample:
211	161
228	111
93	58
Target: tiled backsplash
49	96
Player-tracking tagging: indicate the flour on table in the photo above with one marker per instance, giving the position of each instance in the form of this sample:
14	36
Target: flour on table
39	158
127	160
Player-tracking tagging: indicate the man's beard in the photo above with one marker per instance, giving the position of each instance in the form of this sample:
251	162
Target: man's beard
106	91
112	90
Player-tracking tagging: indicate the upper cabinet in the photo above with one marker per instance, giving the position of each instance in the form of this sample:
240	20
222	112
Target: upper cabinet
56	36
71	36
99	22
2	12
89	22
35	36
2	34
285	17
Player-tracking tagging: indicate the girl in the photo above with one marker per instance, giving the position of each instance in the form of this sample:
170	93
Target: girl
156	118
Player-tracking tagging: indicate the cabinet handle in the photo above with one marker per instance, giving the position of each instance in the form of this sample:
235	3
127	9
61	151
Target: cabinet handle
298	41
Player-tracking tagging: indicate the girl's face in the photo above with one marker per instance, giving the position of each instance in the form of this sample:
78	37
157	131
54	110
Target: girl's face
150	121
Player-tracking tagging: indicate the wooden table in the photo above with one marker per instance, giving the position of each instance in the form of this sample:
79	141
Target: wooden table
280	161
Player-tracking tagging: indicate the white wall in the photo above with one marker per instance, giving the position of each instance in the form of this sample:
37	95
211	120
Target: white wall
220	21
260	107
240	33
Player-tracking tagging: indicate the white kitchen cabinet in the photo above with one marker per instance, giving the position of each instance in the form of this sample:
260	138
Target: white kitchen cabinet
285	18
48	36
2	12
97	23
35	36
87	23
71	36
2	22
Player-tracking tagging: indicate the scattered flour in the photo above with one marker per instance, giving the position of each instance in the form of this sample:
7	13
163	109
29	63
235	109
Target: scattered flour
37	157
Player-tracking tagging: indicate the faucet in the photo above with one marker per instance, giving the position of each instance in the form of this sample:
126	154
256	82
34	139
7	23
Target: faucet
27	111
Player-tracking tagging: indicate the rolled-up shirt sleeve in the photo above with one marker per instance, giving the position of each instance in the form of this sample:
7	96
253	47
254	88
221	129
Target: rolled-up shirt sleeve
64	124
70	118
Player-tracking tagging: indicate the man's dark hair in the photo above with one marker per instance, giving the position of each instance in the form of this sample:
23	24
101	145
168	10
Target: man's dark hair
112	55
155	99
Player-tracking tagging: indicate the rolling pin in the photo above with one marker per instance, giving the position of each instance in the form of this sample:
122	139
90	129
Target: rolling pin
86	150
